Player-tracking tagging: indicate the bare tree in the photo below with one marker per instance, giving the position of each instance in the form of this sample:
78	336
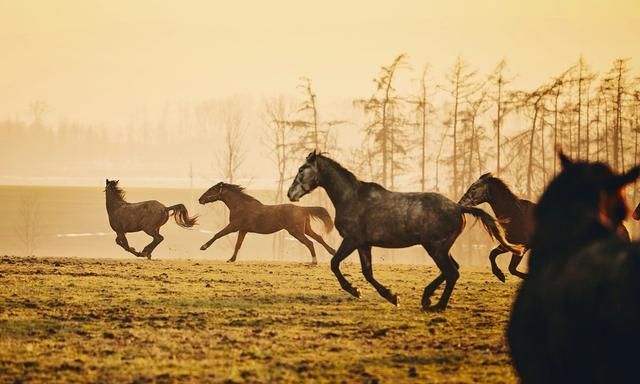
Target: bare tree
36	111
423	109
461	86
498	79
315	134
233	153
382	106
281	139
27	228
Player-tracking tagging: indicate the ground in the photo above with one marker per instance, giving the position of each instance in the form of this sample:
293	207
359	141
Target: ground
157	321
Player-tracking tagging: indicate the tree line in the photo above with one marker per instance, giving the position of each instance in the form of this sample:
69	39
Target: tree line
439	135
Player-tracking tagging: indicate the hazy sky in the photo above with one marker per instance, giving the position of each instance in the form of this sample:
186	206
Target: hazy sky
102	61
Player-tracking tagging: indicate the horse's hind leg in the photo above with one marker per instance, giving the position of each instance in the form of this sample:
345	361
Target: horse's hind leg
307	243
513	266
121	240
367	271
494	266
448	273
157	239
309	232
239	241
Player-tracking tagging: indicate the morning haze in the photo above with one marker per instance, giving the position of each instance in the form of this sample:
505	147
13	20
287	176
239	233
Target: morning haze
172	97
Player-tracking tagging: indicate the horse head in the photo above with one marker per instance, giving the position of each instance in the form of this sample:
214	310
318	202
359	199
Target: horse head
584	191
213	194
111	185
477	193
307	178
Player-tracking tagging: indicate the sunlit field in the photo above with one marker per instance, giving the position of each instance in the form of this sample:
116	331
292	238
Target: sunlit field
139	321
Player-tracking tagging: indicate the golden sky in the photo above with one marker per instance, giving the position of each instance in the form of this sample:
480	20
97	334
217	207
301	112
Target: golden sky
100	61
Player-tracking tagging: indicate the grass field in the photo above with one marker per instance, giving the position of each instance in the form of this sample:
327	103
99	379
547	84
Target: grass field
137	321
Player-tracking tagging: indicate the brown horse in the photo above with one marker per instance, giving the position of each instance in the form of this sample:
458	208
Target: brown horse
147	216
247	214
515	215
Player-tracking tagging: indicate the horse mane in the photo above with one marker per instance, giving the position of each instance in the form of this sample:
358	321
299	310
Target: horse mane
240	191
499	183
338	167
117	192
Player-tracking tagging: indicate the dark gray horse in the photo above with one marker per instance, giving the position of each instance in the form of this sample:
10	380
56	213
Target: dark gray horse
515	215
368	215
147	216
576	317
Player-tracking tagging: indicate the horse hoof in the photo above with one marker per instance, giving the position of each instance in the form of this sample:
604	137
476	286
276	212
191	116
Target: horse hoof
393	299
231	261
354	292
500	276
203	248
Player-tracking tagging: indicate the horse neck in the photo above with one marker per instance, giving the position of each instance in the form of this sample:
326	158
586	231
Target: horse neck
114	201
502	201
341	187
236	201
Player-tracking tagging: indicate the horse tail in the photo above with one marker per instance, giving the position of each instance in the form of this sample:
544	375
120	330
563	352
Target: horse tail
182	216
322	215
493	227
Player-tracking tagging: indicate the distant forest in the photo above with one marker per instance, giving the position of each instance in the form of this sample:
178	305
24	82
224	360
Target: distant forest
439	135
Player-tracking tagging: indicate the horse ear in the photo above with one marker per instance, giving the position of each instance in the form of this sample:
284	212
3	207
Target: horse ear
565	161
628	177
486	175
106	181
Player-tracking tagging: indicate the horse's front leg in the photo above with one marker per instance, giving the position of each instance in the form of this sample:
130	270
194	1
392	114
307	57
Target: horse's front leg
225	231
343	251
121	240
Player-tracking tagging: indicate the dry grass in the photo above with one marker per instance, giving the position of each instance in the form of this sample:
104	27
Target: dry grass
87	320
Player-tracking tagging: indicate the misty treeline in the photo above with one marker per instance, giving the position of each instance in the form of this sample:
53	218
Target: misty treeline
427	134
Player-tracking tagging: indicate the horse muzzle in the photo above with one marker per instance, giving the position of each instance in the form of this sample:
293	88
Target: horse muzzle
294	194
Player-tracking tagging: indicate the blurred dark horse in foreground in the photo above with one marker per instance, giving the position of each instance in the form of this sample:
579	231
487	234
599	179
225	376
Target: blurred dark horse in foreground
147	216
515	215
576	318
368	215
247	214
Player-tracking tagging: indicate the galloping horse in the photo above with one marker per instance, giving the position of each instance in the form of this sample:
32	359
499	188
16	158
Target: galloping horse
368	215
147	216
515	215
575	318
247	214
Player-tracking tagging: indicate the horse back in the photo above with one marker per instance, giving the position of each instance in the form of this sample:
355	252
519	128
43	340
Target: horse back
134	217
399	219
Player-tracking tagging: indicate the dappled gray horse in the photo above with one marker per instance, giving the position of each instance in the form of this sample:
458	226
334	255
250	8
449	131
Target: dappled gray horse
147	216
368	215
